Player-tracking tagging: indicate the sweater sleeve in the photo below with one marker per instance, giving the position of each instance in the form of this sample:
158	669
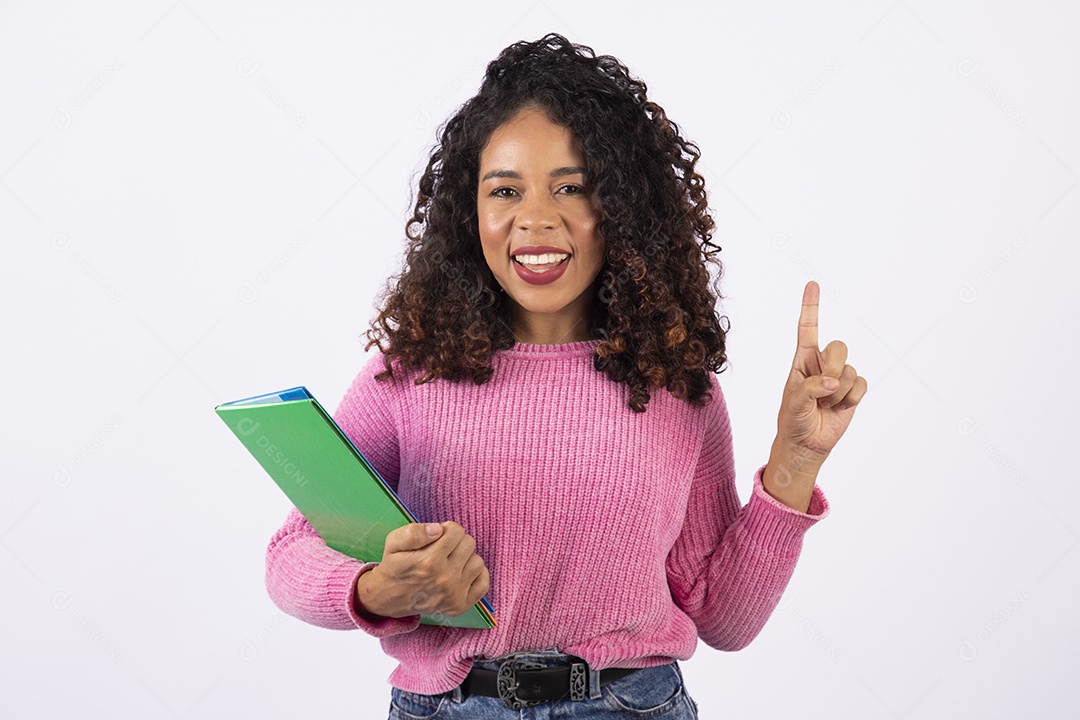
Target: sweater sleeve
730	564
310	580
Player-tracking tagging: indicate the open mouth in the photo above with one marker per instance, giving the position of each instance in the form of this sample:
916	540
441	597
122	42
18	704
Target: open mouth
541	263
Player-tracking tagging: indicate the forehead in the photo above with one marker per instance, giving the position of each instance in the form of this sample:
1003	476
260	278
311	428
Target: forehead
529	136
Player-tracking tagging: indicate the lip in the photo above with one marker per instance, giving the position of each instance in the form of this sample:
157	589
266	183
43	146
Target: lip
534	278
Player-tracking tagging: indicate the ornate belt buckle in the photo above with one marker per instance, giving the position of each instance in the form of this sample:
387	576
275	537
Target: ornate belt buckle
506	681
577	681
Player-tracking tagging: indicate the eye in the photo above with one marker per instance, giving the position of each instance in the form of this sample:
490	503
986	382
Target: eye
572	189
503	192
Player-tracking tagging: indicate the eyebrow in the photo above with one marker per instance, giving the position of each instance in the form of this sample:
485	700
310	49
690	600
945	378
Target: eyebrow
557	172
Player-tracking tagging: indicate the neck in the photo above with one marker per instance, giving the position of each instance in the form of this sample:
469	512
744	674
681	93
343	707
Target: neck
552	336
567	325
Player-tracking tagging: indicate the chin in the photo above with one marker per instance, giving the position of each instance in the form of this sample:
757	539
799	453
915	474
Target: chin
548	308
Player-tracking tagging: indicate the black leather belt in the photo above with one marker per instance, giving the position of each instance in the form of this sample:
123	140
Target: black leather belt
523	683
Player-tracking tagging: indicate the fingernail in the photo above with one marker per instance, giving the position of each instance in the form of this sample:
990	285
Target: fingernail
433	529
831	383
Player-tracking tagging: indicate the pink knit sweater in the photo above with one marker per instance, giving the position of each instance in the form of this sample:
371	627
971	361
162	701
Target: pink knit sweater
611	535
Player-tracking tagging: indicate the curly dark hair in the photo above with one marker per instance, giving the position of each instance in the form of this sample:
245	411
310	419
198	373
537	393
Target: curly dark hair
653	308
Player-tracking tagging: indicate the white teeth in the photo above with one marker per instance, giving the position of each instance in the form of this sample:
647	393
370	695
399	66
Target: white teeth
541	259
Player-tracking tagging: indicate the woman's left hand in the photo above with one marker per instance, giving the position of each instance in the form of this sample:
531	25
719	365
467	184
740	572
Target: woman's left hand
813	414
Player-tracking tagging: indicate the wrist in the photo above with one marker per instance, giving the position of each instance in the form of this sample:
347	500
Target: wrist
365	592
791	473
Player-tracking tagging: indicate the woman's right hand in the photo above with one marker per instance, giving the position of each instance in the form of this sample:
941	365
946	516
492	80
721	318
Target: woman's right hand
421	573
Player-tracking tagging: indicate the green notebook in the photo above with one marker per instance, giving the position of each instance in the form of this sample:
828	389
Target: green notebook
328	480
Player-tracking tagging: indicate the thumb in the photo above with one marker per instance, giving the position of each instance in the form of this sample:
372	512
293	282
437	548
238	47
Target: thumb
814	388
413	536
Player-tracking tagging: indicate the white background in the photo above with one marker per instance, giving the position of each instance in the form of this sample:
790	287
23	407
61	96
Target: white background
201	202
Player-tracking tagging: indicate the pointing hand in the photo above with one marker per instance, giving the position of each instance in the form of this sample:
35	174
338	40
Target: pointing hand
821	392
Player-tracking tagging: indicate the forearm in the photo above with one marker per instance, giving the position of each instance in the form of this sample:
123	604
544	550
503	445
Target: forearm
309	580
729	585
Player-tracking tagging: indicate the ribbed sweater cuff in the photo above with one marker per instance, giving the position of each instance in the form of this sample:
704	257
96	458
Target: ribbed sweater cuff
376	624
783	525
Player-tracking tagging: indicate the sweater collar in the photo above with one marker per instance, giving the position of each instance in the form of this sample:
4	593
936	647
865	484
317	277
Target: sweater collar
539	351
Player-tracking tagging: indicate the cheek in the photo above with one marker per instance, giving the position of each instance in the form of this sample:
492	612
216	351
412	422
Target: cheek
492	227
597	263
492	243
485	229
586	223
593	245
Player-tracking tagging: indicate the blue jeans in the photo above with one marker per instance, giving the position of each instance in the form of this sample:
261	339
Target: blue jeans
654	692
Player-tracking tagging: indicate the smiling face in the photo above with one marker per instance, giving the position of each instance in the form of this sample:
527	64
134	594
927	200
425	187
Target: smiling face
534	203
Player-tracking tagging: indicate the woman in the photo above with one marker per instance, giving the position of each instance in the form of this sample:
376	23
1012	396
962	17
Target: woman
546	392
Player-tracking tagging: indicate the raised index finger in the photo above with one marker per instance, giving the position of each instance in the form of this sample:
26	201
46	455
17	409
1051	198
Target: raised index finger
808	322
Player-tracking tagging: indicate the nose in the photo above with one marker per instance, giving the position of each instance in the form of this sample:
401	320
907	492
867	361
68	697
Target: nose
537	212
